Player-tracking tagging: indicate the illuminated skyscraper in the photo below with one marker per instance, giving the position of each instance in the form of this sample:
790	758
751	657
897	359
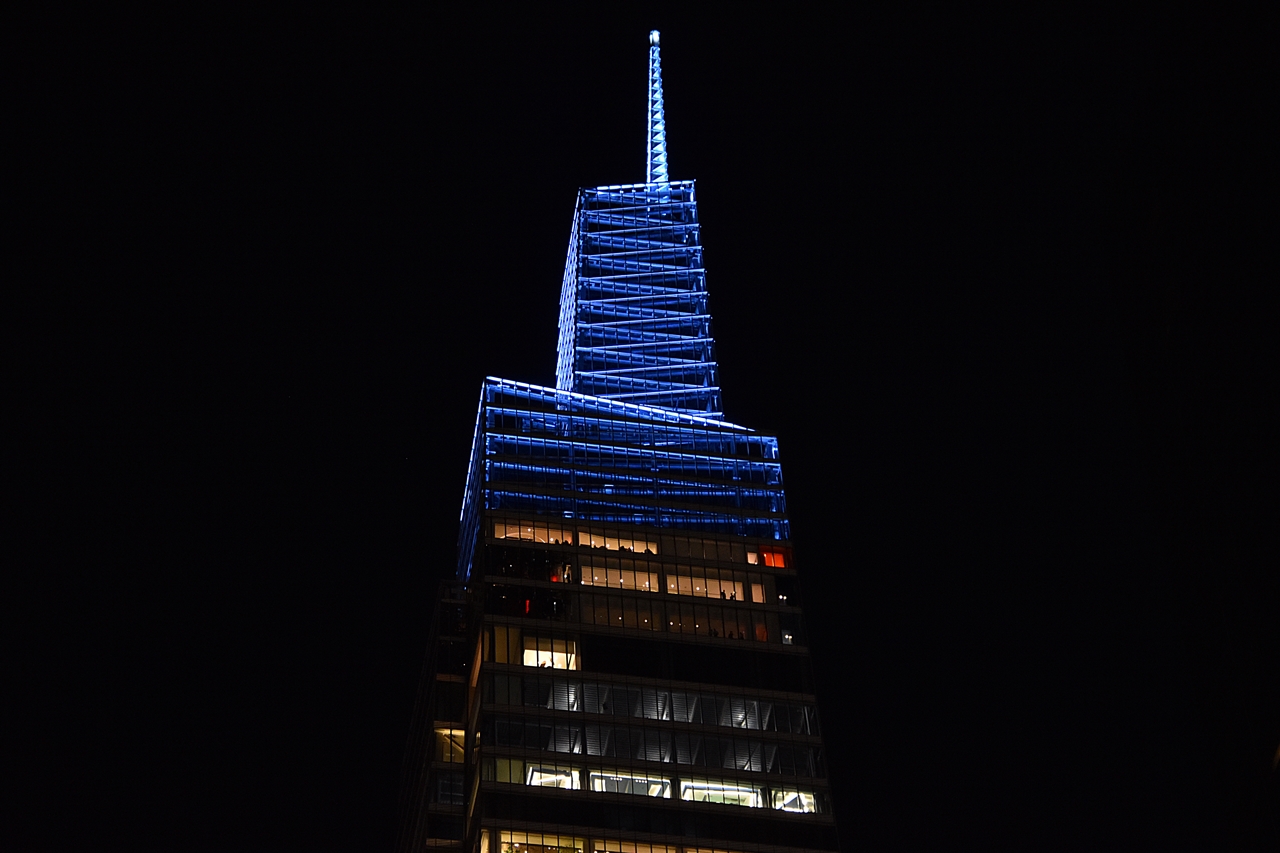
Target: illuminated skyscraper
620	664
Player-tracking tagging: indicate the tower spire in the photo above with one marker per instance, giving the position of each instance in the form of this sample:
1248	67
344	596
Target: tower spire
656	167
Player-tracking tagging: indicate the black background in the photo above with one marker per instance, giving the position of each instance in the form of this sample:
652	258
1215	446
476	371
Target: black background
994	281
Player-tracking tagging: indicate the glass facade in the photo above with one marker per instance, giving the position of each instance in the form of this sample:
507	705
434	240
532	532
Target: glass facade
620	663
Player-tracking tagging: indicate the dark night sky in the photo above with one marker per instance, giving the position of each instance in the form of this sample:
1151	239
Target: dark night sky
992	280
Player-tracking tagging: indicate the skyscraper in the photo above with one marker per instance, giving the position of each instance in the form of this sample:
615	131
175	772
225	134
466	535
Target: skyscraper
621	664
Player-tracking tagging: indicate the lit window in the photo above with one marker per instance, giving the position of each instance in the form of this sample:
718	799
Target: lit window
686	580
619	782
794	801
778	558
607	572
547	653
552	534
720	791
531	842
612	541
450	745
552	776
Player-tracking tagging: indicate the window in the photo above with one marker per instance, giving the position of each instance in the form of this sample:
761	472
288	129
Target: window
623	782
788	800
531	842
509	770
715	622
722	791
707	549
612	540
707	583
620	574
552	776
447	788
778	558
737	711
550	654
533	531
502	644
621	612
450	745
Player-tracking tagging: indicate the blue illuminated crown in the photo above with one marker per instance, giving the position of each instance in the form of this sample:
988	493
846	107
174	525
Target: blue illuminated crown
634	323
632	433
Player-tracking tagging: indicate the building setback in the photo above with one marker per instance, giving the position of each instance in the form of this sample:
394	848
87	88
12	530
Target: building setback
621	663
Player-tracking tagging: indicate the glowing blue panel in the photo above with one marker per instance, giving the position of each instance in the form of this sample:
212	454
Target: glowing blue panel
569	455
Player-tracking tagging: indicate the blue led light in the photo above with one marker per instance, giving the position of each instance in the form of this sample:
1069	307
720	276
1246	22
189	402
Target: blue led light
657	162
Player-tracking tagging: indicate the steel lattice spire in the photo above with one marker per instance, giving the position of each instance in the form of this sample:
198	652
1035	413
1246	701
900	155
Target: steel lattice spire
657	163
